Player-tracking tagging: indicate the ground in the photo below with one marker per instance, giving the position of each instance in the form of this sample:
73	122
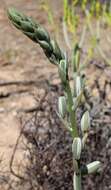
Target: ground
24	72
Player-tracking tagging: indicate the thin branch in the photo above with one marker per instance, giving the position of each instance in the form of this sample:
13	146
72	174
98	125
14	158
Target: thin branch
8	94
13	156
25	82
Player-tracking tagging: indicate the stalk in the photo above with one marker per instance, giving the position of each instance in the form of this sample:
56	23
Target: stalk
71	112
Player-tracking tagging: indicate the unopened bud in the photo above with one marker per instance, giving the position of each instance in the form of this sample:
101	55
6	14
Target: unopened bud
77	148
27	26
42	34
77	181
93	167
56	50
62	106
63	70
78	85
45	45
85	122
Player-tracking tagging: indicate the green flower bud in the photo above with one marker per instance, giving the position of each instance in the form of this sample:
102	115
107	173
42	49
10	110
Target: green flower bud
27	26
63	70
42	34
62	106
77	148
30	35
85	122
15	15
76	57
93	167
56	50
78	85
16	19
45	46
77	181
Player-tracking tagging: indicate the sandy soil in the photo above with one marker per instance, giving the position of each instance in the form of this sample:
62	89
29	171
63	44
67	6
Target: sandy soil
20	60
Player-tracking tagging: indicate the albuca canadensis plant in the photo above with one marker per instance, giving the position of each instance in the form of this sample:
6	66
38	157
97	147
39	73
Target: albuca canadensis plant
73	96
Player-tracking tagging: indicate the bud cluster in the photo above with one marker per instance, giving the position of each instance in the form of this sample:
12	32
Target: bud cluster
37	33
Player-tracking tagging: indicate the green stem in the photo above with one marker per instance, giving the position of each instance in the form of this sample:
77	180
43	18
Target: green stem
71	112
